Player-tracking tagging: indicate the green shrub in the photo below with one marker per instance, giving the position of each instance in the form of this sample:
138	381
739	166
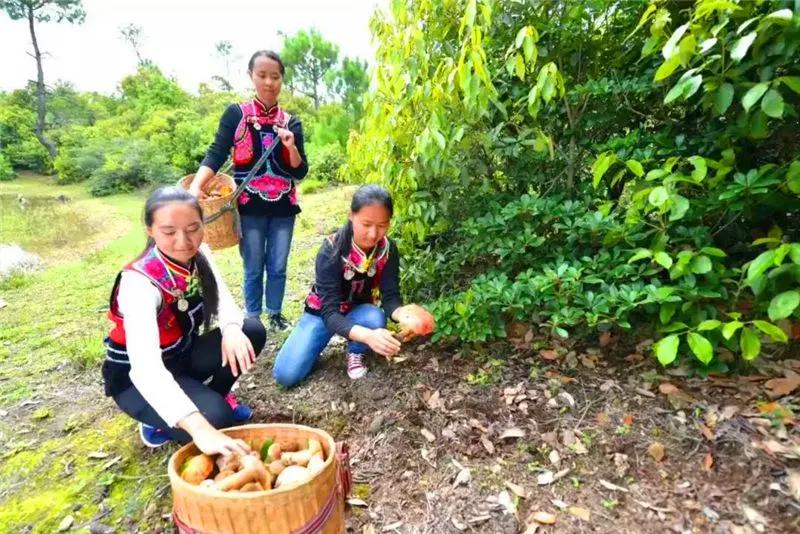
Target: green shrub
325	162
310	185
6	171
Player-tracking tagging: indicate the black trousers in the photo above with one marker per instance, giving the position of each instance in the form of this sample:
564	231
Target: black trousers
205	361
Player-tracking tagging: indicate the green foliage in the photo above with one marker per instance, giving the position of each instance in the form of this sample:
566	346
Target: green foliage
310	185
45	10
309	58
17	140
331	124
325	162
349	82
592	165
6	170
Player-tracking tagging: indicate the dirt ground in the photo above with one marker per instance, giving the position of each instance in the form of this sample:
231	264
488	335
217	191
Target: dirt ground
449	441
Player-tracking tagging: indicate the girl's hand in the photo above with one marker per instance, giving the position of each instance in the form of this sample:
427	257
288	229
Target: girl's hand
237	351
212	441
286	136
383	342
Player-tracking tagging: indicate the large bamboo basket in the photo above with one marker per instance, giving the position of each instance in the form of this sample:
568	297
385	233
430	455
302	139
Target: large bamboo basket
224	231
199	510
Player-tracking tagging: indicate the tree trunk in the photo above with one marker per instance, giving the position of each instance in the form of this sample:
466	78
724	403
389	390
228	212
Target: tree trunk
46	143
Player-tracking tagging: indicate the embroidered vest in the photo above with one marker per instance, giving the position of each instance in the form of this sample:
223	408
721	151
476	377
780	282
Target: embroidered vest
176	326
361	278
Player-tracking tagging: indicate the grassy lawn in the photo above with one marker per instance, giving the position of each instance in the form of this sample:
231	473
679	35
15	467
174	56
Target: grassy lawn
66	450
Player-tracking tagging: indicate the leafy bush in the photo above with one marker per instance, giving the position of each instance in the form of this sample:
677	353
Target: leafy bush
325	162
6	171
131	164
604	165
310	185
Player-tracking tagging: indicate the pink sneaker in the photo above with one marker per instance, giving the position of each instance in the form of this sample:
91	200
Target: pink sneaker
241	412
355	366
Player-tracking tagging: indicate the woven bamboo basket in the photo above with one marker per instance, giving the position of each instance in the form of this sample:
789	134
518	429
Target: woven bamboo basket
294	509
224	231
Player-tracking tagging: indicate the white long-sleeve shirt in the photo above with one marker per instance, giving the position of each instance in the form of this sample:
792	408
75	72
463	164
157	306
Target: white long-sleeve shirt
139	300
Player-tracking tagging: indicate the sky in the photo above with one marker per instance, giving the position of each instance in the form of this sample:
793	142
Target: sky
179	36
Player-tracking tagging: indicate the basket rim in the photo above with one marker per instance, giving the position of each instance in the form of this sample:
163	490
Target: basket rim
175	478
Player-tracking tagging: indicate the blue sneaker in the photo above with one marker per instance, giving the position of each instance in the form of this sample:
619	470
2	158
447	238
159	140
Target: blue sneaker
241	412
153	437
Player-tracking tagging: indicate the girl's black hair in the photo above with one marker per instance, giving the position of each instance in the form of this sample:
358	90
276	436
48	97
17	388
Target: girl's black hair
366	195
208	284
268	54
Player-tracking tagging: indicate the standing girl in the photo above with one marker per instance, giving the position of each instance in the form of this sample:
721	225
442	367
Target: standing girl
268	205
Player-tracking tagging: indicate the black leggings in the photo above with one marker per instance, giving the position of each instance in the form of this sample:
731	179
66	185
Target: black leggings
205	362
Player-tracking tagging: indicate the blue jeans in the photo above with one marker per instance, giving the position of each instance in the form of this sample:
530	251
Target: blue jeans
309	338
264	247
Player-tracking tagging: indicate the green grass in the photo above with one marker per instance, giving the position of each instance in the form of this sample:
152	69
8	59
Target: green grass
51	335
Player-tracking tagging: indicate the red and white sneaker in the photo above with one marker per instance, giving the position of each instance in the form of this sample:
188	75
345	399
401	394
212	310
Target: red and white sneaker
241	412
355	366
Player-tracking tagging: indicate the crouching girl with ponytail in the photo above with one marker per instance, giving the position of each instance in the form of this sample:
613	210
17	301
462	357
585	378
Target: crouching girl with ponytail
159	369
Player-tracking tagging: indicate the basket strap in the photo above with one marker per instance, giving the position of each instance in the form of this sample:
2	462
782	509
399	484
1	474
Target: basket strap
344	473
183	528
340	491
231	204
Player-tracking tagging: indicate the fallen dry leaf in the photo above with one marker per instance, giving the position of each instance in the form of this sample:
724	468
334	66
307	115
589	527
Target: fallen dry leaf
558	503
588	362
707	432
603	419
474	423
531	528
554	457
708	462
755	517
544	478
605	339
357	502
505	500
512	432
558	376
550	438
779	387
66	523
368	529
776	410
634	358
435	401
487	444
667	389
607	385
608	485
580	513
656	450
627	420
517	490
548	354
463	477
545	518
428	435
458	524
728	412
645	392
793	481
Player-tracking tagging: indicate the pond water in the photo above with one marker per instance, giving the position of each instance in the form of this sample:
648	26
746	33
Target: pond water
43	224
